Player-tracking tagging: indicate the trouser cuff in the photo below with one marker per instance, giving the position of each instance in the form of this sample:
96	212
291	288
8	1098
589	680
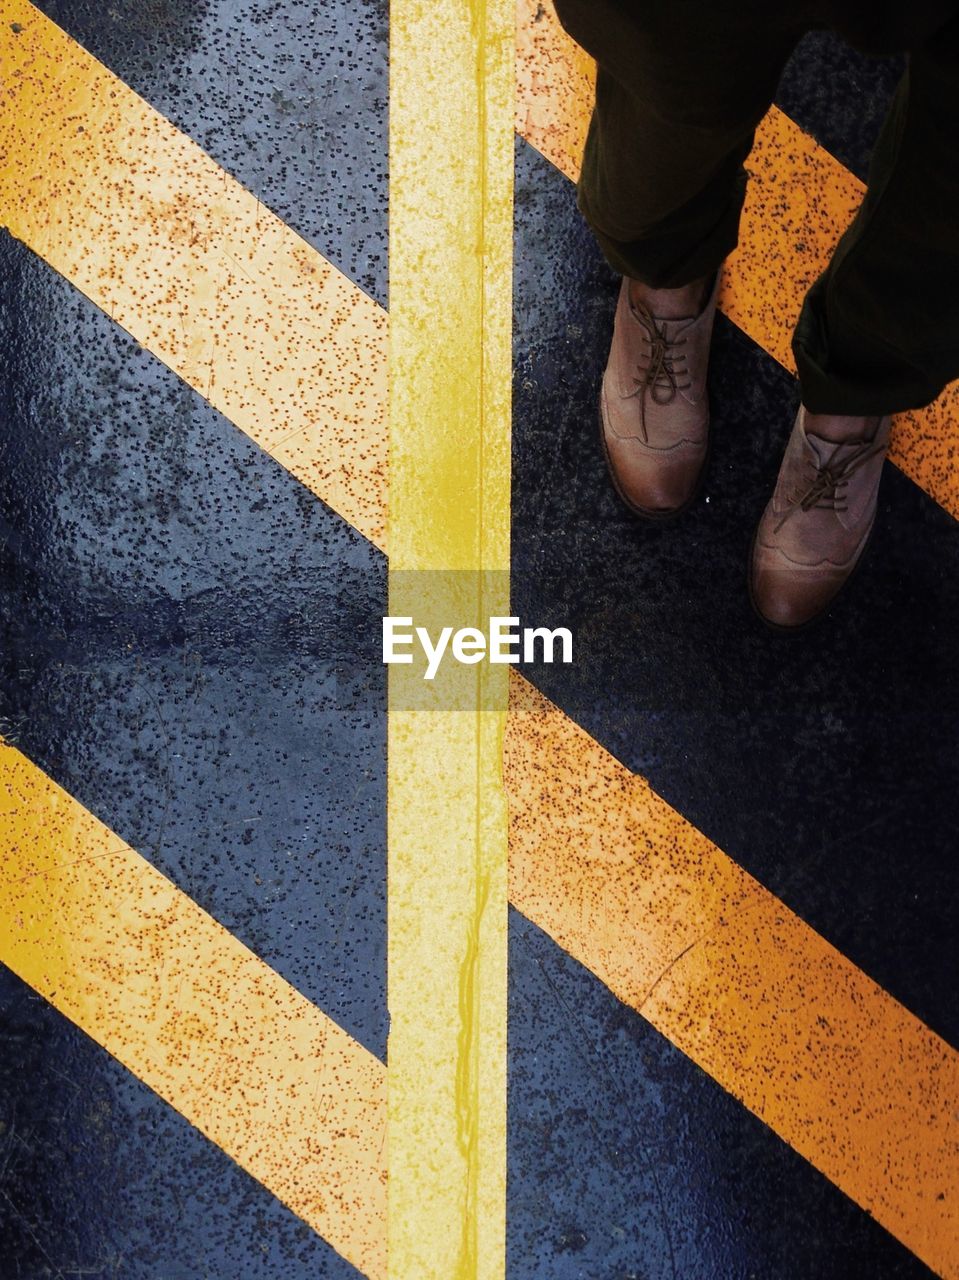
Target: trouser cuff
844	371
671	254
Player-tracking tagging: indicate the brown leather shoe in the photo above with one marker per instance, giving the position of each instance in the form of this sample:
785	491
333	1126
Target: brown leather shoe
818	520
654	409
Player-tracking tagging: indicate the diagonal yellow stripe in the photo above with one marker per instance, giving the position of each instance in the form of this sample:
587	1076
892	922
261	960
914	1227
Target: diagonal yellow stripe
135	963
734	979
193	266
642	844
451	246
788	236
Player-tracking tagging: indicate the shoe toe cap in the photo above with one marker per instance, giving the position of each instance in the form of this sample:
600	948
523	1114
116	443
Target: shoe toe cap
656	482
789	599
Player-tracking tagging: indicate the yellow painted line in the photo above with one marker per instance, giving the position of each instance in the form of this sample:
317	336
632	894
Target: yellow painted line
798	202
192	265
451	246
134	962
587	808
680	933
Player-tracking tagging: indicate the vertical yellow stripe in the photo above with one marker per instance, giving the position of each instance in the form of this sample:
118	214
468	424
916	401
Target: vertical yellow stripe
451	116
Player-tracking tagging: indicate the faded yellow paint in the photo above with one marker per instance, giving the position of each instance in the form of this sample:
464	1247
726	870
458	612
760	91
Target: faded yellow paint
134	962
192	265
734	979
451	238
786	240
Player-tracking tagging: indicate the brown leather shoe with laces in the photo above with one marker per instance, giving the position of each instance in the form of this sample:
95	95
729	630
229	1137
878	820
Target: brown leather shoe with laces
654	409
818	520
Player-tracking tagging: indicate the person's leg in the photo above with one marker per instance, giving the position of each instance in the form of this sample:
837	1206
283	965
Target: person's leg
680	89
879	330
878	333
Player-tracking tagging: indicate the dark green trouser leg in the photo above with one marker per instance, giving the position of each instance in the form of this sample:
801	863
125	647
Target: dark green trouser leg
879	331
680	90
681	87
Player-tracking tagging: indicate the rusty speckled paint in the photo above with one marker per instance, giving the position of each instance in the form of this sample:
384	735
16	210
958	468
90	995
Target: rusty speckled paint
135	963
718	964
799	201
193	266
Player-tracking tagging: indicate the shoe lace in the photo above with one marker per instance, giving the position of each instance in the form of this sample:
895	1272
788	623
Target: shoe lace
827	490
664	366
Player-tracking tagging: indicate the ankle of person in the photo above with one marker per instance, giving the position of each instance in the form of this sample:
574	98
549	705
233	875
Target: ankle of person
840	428
684	302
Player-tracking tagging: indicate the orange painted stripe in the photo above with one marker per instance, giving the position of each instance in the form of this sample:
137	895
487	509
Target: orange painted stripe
193	266
814	1048
787	236
134	962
